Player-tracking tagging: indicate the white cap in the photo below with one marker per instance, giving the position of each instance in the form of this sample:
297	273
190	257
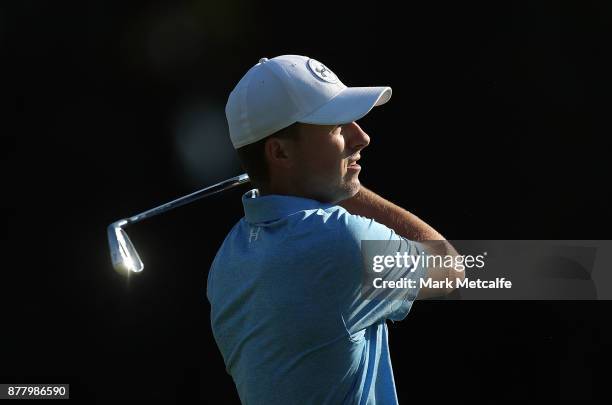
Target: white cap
278	92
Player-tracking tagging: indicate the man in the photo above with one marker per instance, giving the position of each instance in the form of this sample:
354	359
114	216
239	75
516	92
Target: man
285	288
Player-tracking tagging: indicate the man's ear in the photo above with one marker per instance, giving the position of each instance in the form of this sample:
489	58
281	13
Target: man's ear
279	152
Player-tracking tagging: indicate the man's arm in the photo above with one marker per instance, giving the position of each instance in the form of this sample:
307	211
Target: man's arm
368	204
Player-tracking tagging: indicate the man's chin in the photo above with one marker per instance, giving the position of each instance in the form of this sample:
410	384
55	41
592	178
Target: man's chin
350	189
340	191
355	186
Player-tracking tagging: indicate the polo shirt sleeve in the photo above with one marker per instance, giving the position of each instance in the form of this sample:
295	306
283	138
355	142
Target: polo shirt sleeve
364	305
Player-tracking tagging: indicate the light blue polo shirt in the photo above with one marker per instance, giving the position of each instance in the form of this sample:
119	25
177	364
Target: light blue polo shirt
286	308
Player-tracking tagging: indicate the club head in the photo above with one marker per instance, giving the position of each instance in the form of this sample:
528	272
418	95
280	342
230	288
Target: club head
123	254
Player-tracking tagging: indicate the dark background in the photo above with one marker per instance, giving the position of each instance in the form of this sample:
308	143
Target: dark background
497	129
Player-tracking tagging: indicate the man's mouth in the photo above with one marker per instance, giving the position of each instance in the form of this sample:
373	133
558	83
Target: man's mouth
352	163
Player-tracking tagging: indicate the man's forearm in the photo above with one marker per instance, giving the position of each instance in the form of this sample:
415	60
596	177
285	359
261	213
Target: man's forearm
369	204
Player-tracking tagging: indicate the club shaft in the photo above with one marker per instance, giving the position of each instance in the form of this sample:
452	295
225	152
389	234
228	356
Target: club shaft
205	192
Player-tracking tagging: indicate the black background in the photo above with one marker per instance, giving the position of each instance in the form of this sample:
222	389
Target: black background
497	129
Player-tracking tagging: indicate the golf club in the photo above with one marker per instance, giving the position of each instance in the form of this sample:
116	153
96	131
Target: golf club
124	256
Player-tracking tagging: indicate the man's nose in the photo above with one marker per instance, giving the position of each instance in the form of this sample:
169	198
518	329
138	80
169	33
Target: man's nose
357	138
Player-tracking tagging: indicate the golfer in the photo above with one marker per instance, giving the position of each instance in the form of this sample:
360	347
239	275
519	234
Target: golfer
285	288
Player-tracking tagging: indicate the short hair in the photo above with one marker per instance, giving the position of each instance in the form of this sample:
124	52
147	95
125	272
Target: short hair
253	156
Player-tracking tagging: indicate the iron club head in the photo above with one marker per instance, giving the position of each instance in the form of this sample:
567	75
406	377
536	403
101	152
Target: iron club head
124	256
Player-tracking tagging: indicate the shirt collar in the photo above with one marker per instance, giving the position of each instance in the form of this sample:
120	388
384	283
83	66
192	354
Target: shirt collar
275	206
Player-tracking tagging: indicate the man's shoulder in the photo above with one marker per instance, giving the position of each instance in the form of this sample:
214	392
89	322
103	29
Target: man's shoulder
329	225
351	227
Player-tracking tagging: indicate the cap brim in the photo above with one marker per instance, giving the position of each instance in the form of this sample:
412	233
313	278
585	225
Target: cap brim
349	105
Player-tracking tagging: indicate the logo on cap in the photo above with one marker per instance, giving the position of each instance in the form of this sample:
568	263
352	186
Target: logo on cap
321	71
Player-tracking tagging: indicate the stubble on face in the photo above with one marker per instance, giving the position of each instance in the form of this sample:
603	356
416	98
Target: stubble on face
323	162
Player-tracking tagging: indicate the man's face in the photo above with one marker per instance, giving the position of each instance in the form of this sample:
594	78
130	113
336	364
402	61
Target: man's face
324	161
